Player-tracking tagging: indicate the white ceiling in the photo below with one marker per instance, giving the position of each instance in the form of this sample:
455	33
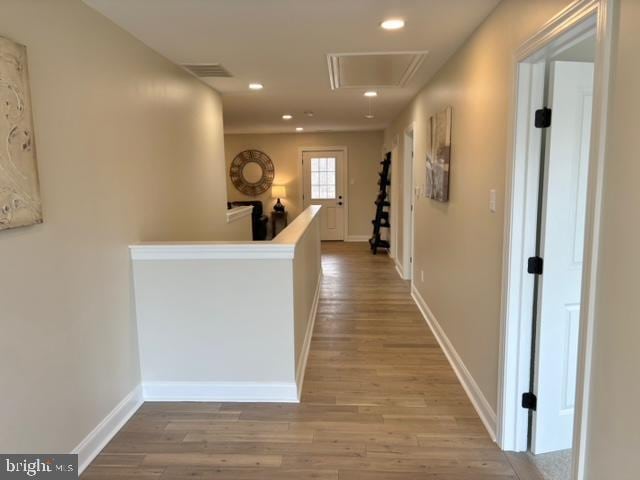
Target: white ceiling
284	45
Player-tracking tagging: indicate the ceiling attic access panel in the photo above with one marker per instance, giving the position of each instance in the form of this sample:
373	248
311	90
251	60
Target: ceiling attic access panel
362	70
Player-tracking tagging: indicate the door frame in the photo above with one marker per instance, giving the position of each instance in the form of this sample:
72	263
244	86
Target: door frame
515	353
344	184
395	193
408	213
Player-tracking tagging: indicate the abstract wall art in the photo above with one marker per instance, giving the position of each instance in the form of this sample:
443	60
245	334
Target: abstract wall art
439	156
19	189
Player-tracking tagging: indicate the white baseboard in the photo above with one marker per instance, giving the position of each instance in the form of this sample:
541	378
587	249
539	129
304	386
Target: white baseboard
399	270
285	392
98	438
306	346
356	238
479	401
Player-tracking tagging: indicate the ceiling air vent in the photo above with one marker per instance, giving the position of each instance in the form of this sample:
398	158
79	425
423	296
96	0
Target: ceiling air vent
207	70
362	70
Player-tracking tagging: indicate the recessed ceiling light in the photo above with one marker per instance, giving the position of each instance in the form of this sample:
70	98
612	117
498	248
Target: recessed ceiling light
256	86
369	116
371	93
299	129
308	113
286	116
392	24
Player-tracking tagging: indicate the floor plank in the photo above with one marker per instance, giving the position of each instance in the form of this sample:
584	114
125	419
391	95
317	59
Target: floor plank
380	401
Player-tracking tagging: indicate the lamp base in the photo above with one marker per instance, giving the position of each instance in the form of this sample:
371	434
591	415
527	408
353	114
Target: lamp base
278	207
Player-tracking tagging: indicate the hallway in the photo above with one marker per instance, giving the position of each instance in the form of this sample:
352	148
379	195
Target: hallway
379	401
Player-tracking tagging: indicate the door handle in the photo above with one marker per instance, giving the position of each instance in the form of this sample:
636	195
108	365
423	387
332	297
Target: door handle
339	197
340	203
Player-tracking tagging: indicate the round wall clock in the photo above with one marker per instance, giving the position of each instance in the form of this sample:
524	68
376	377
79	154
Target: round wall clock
252	172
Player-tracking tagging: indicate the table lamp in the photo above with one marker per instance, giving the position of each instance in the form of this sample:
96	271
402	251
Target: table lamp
278	191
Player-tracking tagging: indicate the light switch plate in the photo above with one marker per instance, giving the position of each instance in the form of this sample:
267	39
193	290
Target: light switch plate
492	201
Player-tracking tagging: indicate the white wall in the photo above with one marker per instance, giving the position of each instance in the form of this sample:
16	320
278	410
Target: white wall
130	148
306	274
215	320
227	321
458	244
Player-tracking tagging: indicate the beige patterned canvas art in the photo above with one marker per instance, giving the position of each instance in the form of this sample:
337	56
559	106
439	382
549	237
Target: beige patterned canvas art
439	158
19	191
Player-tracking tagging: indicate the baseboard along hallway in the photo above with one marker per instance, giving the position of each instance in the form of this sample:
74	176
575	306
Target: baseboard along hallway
379	401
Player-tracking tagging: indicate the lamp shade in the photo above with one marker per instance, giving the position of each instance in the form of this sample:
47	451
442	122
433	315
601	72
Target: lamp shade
278	191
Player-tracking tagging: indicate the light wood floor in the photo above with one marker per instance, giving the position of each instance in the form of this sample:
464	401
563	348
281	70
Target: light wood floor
380	402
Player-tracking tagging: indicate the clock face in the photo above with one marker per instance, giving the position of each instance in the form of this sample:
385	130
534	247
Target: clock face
252	172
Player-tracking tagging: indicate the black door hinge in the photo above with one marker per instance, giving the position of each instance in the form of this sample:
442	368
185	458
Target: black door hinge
543	118
529	401
534	265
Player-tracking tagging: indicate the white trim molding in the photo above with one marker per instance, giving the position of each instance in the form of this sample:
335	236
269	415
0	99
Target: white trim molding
301	367
212	251
478	400
602	76
410	199
356	238
399	269
396	193
520	241
97	439
235	214
282	247
285	392
571	16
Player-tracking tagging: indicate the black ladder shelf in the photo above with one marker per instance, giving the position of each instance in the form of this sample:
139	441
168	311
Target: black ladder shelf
382	215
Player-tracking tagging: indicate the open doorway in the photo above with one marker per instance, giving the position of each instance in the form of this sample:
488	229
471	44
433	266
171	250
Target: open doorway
404	264
551	239
565	120
394	197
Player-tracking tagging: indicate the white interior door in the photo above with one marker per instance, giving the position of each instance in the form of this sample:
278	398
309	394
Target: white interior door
562	241
323	183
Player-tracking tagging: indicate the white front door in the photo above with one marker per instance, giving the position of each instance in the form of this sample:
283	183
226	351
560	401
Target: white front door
561	245
323	177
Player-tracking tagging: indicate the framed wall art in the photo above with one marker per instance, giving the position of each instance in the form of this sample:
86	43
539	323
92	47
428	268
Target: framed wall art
19	188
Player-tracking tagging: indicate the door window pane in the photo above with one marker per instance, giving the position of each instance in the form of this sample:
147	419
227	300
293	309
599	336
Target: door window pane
323	178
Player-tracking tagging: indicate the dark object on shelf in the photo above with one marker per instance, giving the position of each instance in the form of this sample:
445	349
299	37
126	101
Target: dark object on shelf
278	191
382	216
276	217
278	207
258	220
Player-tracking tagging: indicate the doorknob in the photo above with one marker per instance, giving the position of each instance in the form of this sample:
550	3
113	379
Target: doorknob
339	203
340	197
